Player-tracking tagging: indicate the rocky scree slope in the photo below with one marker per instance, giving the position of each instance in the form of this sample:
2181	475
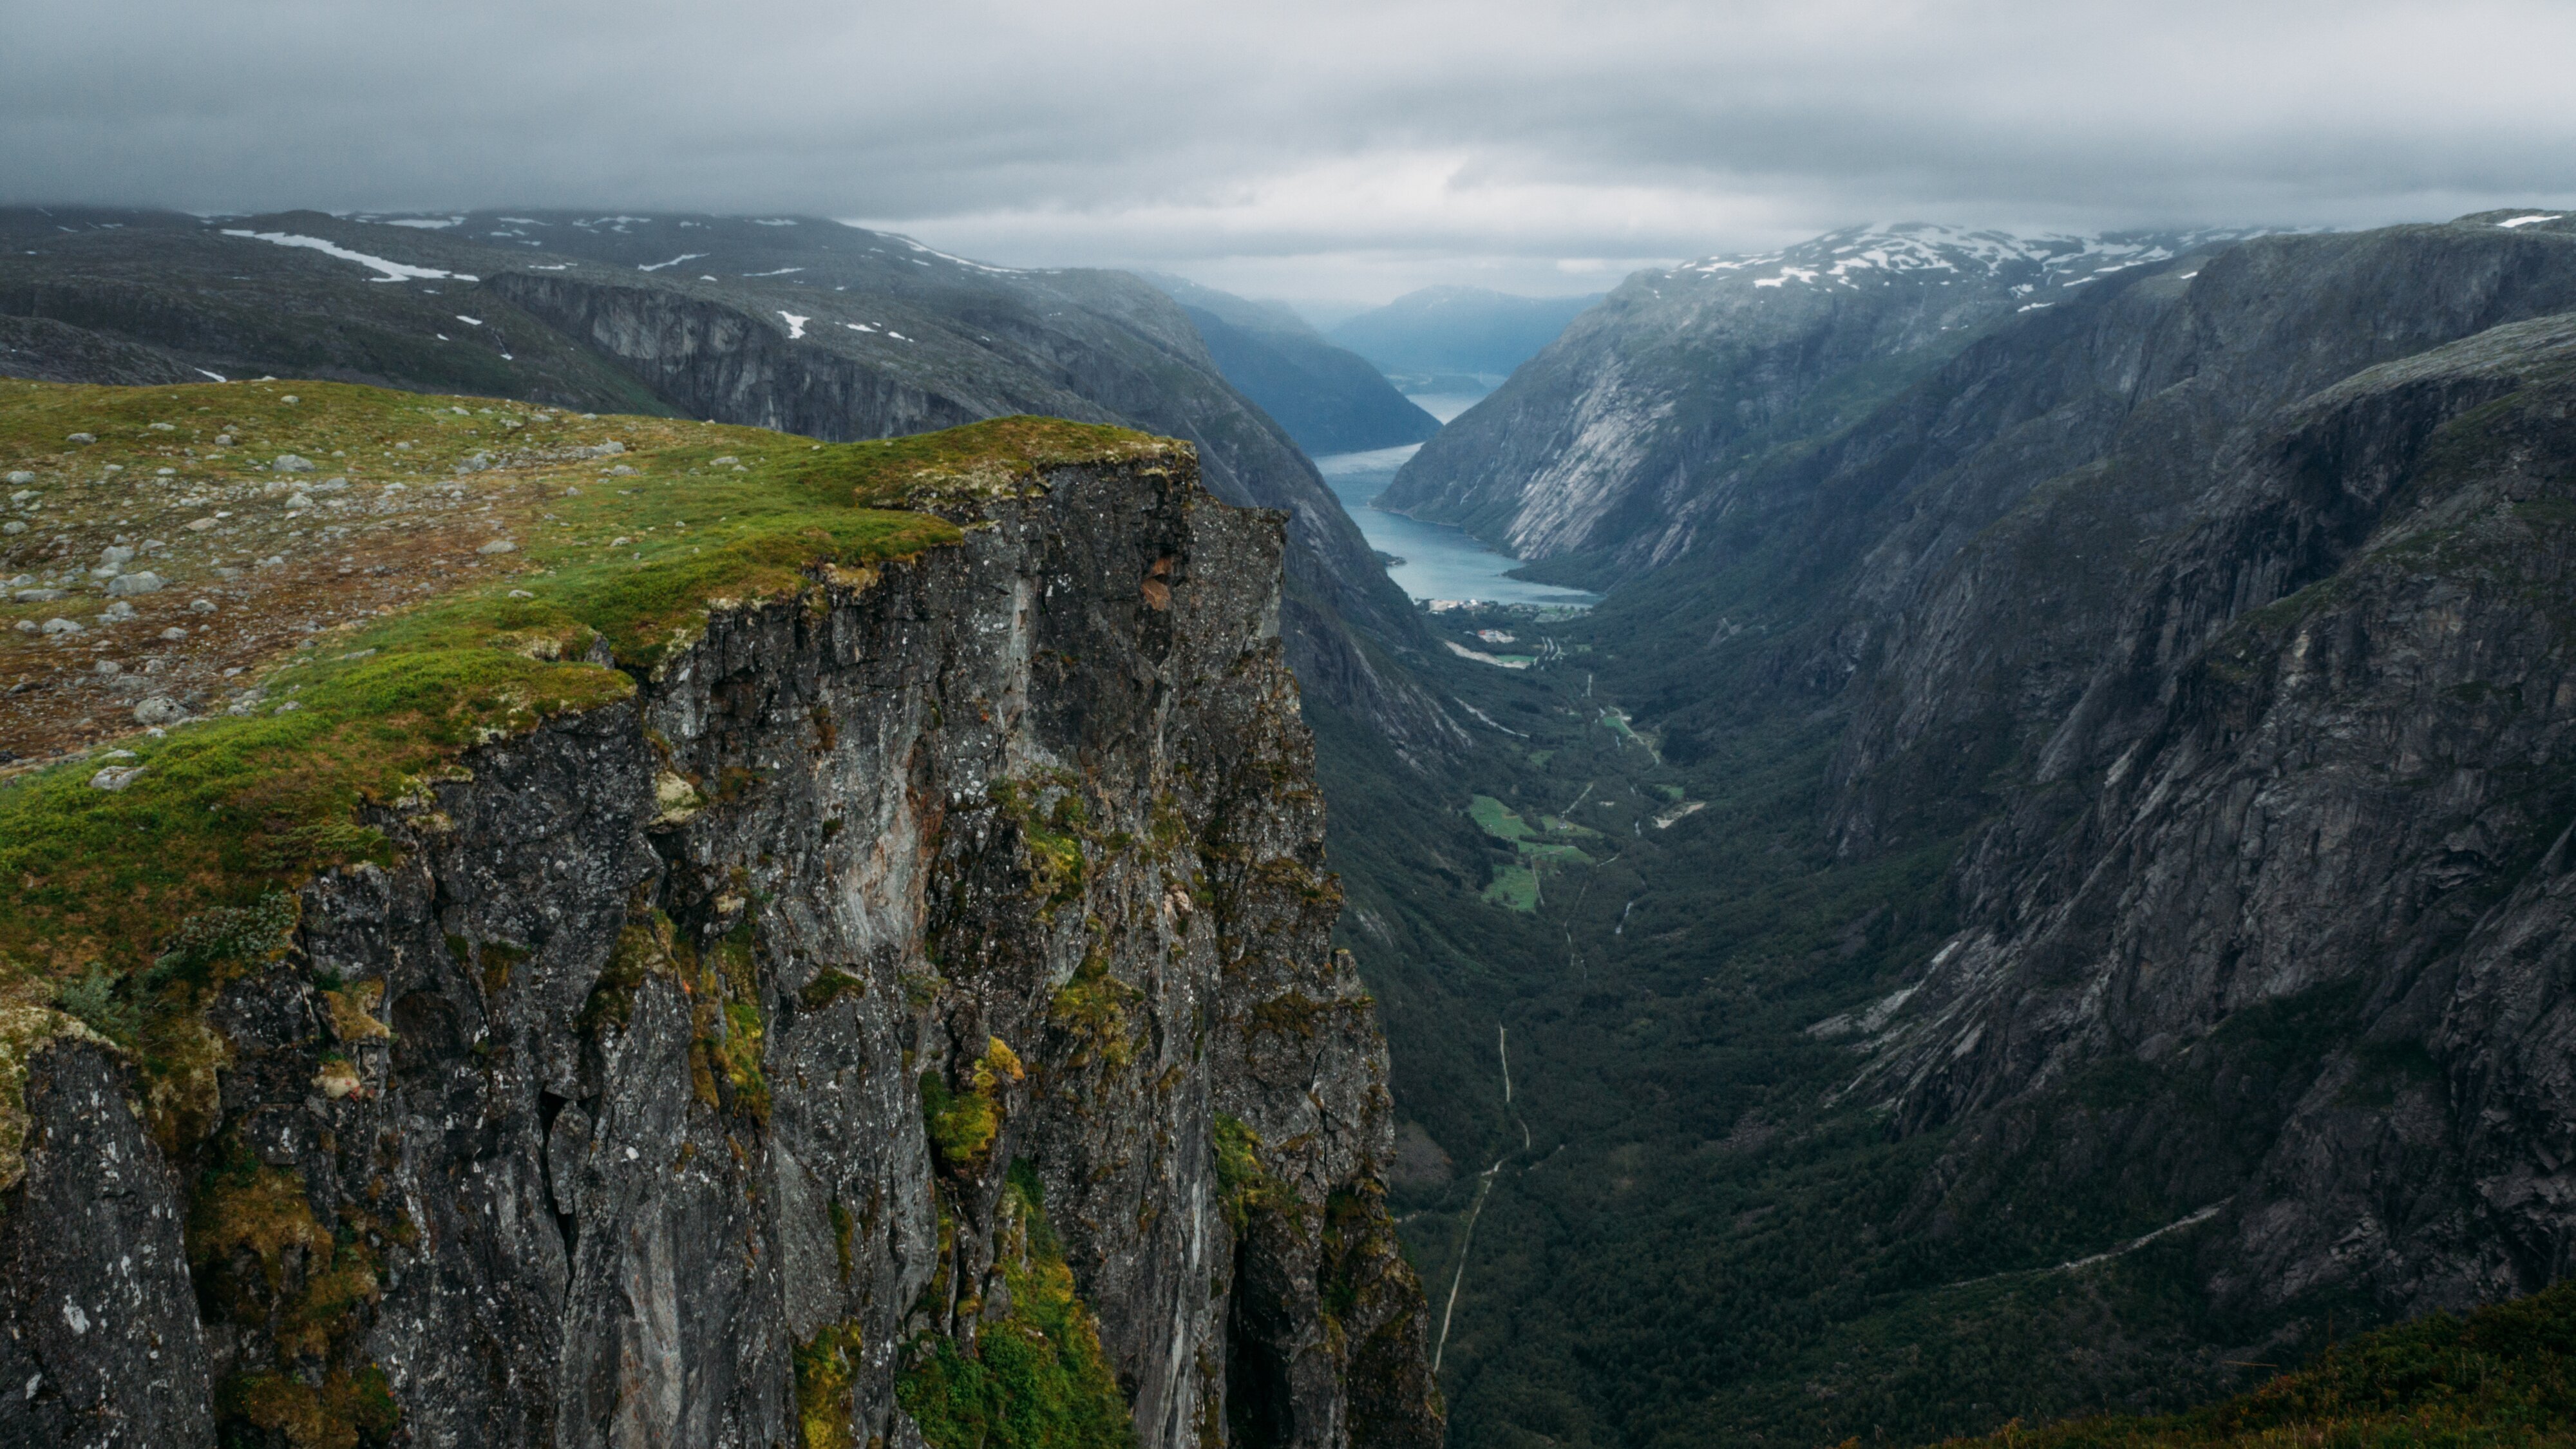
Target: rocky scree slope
797	324
1615	446
2222	611
854	979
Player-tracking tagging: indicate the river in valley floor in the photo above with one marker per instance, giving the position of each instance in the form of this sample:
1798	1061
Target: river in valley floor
1440	562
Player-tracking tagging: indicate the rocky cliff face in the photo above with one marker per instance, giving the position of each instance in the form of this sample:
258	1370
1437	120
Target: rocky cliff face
918	978
2325	765
1630	434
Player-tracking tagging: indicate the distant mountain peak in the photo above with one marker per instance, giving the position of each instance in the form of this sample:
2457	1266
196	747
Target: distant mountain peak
1458	330
1847	256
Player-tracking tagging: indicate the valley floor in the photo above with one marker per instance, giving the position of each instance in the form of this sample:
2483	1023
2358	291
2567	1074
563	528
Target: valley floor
1624	978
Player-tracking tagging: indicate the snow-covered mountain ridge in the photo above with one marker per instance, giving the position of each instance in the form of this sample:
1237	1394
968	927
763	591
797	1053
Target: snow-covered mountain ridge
1613	446
2028	263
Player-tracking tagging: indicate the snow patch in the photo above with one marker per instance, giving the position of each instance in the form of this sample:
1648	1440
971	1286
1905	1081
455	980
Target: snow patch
2531	220
961	261
426	223
782	271
393	271
469	321
673	262
795	324
1885	252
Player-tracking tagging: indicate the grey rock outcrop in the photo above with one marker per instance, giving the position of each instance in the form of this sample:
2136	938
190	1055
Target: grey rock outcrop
102	1344
587	1118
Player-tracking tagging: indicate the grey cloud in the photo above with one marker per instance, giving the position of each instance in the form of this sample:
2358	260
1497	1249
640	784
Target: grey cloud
1307	147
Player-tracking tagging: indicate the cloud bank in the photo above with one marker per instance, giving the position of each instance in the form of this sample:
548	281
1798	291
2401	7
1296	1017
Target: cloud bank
1312	150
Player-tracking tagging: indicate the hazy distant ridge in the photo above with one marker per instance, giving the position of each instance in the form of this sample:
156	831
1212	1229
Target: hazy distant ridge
1330	400
1458	330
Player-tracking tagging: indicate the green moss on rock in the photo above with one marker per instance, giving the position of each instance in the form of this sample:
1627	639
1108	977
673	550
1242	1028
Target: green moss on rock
1036	1377
963	1124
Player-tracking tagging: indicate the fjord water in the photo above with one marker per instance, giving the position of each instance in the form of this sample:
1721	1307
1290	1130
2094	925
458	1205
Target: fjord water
1440	561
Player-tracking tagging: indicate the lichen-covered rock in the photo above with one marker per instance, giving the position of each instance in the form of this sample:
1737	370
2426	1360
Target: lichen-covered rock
667	1086
99	1341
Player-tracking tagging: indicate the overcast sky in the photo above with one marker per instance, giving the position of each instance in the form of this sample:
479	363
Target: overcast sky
1303	150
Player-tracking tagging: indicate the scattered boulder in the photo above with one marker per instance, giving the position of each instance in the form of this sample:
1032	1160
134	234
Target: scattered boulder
202	606
37	596
116	613
82	438
115	777
290	463
63	626
160	709
499	545
146	582
19	476
199	525
174	633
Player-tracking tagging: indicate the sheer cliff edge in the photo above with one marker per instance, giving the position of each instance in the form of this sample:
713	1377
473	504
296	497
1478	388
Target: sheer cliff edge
808	945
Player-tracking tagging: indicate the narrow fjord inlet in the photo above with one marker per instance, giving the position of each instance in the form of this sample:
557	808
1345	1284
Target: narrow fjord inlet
1133	726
